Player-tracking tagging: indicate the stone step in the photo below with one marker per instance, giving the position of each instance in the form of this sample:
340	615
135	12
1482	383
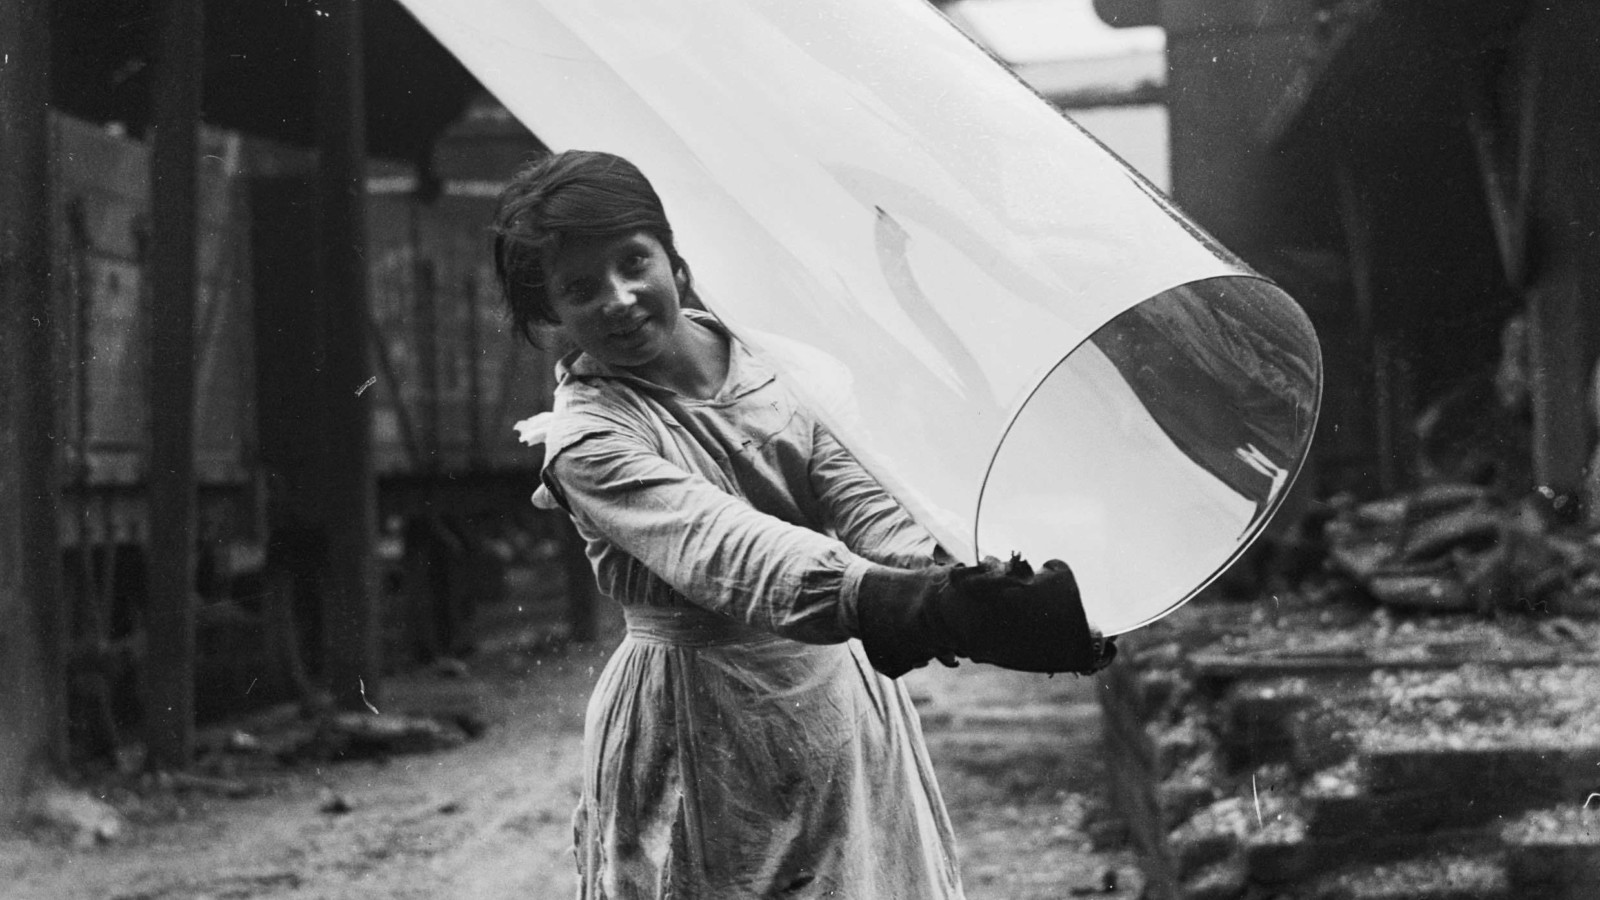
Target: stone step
1433	878
1554	854
1508	777
1408	812
1288	857
1312	723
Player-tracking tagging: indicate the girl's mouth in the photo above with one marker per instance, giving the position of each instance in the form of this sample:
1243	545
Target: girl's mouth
630	331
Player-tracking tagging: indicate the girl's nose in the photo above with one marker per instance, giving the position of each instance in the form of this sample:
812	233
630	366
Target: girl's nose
619	296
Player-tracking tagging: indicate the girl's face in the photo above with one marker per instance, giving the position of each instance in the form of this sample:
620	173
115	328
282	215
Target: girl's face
616	298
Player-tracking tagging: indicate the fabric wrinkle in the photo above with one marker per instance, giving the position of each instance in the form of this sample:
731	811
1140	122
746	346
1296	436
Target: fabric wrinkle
737	742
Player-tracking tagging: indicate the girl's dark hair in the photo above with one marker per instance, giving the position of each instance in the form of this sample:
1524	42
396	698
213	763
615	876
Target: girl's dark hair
577	193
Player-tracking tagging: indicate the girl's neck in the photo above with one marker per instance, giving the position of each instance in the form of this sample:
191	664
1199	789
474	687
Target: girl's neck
695	364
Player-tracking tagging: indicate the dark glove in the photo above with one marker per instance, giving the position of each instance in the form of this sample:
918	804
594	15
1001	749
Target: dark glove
998	613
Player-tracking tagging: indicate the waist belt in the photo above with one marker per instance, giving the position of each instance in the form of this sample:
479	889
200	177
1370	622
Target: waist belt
687	627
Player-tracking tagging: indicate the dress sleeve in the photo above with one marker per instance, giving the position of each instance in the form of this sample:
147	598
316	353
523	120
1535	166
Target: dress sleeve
709	545
864	515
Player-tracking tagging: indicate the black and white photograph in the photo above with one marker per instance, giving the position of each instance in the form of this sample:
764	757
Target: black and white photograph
854	449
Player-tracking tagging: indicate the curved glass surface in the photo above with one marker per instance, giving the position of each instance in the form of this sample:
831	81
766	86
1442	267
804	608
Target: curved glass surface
918	242
1157	450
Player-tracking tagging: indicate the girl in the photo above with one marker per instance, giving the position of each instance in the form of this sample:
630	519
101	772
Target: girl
739	743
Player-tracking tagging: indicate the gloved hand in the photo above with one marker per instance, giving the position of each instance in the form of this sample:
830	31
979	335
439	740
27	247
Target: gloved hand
998	613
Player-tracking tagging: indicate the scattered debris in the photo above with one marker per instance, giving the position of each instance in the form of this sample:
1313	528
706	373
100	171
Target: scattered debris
1460	547
1461	876
203	784
450	667
295	734
334	803
360	736
473	725
82	820
1107	883
1570	825
243	742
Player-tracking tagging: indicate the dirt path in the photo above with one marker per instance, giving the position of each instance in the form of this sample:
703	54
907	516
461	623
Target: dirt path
1017	758
490	819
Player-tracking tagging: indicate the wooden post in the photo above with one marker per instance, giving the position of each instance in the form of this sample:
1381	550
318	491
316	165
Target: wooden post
174	191
425	312
349	502
1375	349
1559	389
32	629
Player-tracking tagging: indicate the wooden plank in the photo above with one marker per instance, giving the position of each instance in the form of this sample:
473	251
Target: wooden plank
348	494
1557	307
33	692
1356	215
174	177
1506	167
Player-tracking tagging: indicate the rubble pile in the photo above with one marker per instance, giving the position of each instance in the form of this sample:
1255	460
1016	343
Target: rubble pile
1461	548
1430	735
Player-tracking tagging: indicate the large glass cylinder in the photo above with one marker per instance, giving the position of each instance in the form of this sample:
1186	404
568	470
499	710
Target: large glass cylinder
1017	335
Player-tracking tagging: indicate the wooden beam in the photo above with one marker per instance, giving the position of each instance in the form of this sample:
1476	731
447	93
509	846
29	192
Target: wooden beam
351	651
1376	360
1558	392
1506	167
174	193
32	666
389	375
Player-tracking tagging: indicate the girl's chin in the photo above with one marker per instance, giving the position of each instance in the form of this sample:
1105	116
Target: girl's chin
631	354
641	341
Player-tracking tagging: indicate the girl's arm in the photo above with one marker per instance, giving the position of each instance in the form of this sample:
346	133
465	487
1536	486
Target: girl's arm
710	546
869	521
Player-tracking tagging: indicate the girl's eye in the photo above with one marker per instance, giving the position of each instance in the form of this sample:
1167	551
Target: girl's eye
635	263
577	291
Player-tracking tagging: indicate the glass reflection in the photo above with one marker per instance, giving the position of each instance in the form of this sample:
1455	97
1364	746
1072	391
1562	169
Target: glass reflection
1155	452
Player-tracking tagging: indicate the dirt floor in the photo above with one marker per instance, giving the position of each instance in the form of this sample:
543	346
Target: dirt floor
1018	757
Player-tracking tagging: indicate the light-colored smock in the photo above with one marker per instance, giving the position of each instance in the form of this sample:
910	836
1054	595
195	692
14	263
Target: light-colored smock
737	744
